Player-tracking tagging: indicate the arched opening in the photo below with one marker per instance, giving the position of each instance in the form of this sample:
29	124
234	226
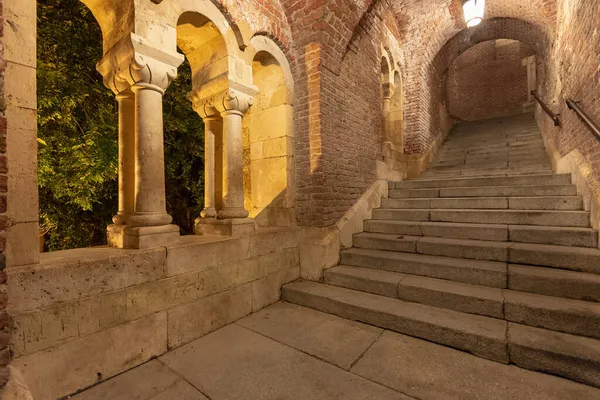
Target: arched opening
268	146
489	80
77	130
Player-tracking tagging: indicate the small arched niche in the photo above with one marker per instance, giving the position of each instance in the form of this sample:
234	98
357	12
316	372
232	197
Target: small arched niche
268	146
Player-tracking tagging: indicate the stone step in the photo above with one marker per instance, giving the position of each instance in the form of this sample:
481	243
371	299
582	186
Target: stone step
481	336
482	143
507	153
560	236
554	313
508	191
554	282
549	179
458	248
580	259
522	146
515	203
463	297
507	217
479	172
477	272
570	356
490	232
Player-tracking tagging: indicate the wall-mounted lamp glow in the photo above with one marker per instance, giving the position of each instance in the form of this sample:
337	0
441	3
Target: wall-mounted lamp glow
473	11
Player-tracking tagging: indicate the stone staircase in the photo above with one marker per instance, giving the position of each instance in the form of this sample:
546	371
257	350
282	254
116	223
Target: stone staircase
489	253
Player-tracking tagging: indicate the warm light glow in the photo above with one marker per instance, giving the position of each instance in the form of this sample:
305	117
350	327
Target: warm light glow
473	11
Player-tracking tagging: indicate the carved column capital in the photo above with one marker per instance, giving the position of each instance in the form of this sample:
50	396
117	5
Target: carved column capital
232	99
132	61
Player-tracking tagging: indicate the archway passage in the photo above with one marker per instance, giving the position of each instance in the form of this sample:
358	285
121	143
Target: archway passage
489	80
268	146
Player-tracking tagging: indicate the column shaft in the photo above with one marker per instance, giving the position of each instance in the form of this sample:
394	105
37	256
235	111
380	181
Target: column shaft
212	129
233	165
150	202
126	157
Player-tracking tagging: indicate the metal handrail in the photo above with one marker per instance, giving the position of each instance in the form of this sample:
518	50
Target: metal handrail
546	108
586	118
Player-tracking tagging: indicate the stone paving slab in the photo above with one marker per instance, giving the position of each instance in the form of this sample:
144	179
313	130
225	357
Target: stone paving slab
150	381
429	371
236	363
336	340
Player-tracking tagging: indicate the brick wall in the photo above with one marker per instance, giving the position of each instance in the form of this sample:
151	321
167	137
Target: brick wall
4	319
338	102
488	80
574	72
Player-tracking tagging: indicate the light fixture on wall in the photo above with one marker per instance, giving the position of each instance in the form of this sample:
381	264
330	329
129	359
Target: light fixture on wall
473	11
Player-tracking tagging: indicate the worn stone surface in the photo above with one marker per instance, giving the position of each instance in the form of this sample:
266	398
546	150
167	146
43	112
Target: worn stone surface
429	371
329	338
479	335
238	363
80	363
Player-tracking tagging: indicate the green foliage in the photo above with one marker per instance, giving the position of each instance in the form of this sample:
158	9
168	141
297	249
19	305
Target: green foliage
77	134
184	153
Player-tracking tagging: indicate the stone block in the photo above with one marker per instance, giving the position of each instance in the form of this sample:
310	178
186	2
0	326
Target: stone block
20	86
22	244
193	320
77	364
198	253
267	290
225	227
20	32
265	242
74	274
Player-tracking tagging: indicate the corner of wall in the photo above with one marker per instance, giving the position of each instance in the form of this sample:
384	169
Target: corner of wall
320	247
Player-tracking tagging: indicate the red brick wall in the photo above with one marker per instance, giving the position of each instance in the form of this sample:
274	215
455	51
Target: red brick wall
338	103
574	72
4	319
488	80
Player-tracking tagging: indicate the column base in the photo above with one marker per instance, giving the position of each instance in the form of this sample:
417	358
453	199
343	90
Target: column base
142	237
227	227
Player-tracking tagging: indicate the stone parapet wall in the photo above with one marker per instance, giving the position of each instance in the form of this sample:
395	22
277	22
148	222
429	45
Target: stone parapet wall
81	316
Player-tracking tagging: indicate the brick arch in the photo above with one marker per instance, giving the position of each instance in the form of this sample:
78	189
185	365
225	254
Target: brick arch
423	116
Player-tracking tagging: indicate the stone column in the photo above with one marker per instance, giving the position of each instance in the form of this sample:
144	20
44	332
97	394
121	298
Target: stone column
232	217
126	102
140	74
213	128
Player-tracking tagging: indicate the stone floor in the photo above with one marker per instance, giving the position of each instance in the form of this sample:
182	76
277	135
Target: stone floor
290	352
